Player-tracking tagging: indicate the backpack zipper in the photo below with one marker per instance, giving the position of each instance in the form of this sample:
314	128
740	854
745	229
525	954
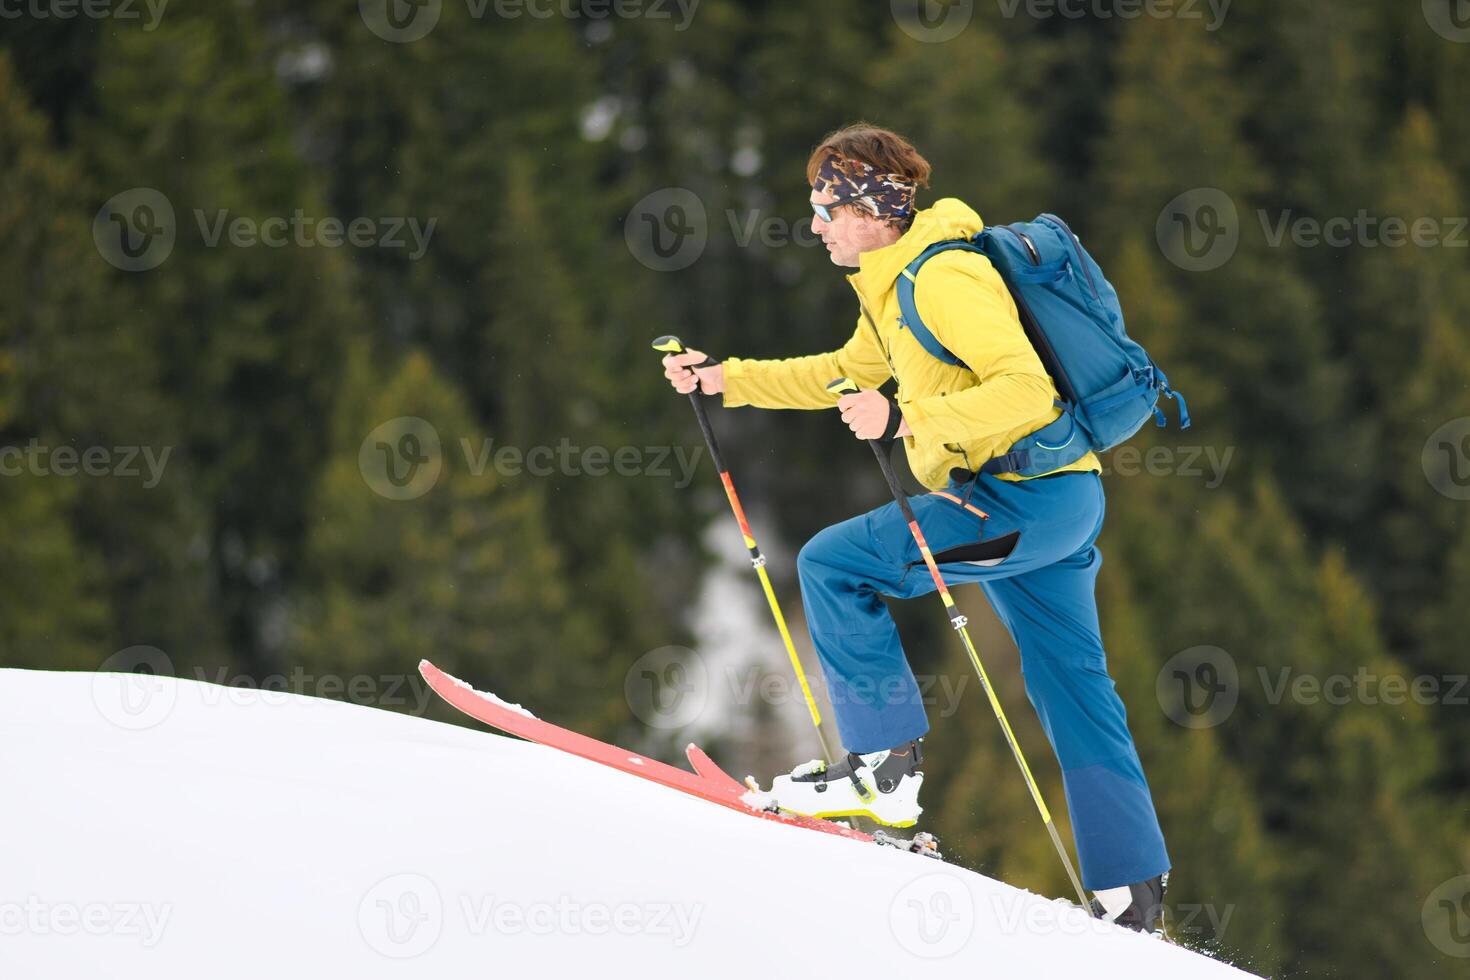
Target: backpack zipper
1076	245
1049	360
1030	246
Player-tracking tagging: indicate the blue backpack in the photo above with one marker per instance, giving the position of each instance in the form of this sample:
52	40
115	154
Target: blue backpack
1109	386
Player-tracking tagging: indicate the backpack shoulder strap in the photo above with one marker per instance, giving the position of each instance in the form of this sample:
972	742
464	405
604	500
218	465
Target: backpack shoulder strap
909	310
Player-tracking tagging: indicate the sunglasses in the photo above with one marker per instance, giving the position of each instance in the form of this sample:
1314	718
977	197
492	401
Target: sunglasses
824	211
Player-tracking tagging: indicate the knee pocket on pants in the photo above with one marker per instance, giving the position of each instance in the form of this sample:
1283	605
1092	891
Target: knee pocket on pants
985	553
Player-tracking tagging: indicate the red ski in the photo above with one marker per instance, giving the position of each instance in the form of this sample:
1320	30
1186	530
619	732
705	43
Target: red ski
708	781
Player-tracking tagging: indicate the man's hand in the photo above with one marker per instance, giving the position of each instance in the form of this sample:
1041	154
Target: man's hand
867	414
710	380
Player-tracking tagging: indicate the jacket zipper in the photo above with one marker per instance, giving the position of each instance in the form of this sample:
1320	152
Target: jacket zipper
878	337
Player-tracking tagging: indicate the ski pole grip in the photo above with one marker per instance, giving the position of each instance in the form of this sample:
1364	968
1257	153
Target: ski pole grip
842	386
669	344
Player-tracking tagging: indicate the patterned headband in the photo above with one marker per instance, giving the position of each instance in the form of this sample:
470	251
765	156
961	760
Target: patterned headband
887	197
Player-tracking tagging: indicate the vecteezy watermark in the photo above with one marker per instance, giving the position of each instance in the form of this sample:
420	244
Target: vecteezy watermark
117	461
401	916
932	21
1446	459
667	230
304	231
123	10
933	916
567	458
404	21
1200	230
134	688
403	458
143	921
404	915
1363	230
407	691
1450	19
1200	687
670	687
1186	461
675	922
1021	913
1446	917
136	230
1214	10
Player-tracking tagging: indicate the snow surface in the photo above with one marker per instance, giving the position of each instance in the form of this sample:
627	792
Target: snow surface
165	828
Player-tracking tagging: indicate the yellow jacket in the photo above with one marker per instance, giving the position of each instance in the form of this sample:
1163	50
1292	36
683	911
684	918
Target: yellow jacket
959	416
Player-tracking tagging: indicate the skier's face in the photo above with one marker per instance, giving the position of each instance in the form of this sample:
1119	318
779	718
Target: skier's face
851	230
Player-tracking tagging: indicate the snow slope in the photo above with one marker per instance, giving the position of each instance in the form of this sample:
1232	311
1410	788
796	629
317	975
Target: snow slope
167	828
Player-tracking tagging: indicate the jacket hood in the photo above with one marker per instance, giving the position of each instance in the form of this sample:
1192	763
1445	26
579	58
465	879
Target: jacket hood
948	218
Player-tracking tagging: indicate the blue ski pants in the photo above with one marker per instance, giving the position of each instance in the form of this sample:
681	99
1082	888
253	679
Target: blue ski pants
1030	545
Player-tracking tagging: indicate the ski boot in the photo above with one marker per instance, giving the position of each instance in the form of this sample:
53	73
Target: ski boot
1139	906
883	786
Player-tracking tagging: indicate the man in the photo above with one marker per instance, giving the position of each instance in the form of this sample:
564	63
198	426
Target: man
1027	542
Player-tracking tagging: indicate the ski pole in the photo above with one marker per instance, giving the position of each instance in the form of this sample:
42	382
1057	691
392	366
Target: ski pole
844	386
670	344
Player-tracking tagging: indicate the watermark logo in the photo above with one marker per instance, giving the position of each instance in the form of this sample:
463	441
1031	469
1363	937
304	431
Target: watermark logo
667	230
1450	19
932	21
568	916
134	688
1198	687
1362	230
401	916
1199	230
1446	917
402	458
122	462
144	921
400	21
123	10
1121	9
135	230
1020	913
405	692
404	21
567	458
1446	459
301	230
933	916
1206	463
667	688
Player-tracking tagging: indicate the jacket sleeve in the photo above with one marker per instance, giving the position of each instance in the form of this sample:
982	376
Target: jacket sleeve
801	382
965	305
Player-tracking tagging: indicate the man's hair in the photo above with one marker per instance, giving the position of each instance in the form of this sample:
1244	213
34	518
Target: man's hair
883	148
